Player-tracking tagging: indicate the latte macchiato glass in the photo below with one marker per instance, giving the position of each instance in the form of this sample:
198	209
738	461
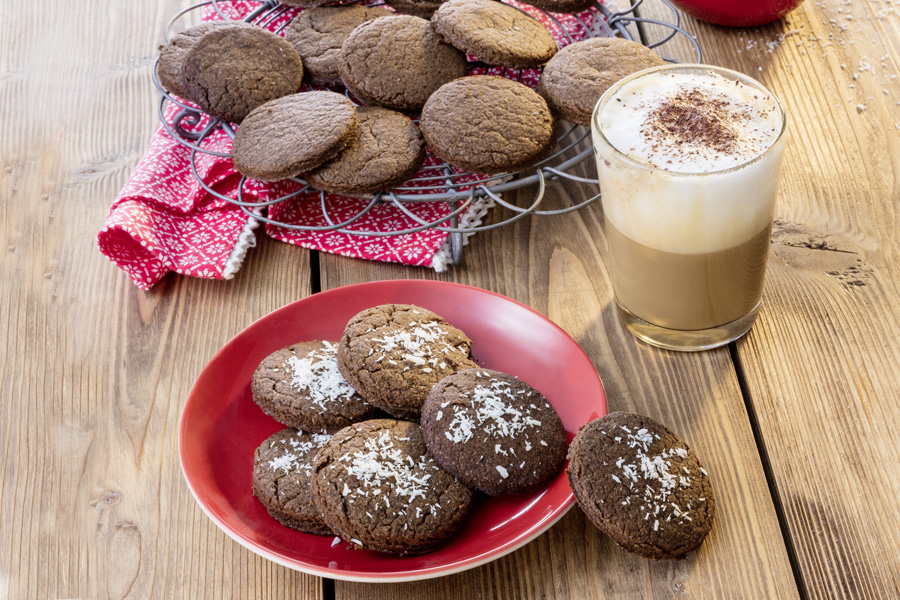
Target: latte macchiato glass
688	158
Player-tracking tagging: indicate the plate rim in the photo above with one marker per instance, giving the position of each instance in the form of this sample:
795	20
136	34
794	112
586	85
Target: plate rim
366	576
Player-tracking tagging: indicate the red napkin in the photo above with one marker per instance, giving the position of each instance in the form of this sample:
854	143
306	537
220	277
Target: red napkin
164	220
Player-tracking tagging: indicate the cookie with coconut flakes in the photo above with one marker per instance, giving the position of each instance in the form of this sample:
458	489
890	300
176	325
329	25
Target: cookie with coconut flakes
301	387
493	432
393	355
376	486
641	485
282	468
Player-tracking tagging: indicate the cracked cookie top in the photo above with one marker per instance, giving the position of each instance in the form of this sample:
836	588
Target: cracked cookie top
389	150
574	79
229	72
494	33
641	485
487	124
301	387
317	35
171	55
493	432
376	485
393	355
282	468
290	135
398	62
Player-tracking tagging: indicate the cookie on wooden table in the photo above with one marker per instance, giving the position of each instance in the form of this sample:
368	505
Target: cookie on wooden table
231	71
301	387
398	62
317	35
493	432
574	79
290	135
495	33
388	151
641	485
418	8
393	355
171	55
376	486
487	124
282	469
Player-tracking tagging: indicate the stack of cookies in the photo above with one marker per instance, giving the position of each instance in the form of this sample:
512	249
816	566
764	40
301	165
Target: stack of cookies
393	430
390	484
399	66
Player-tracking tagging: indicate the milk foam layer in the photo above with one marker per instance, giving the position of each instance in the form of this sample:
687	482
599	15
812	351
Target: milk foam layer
688	212
690	123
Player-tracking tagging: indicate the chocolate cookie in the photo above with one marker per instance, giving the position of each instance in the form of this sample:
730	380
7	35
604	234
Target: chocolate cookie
317	35
562	6
308	3
419	8
301	387
389	150
376	485
393	355
290	135
282	471
641	485
574	79
398	62
231	71
487	124
171	55
493	432
495	33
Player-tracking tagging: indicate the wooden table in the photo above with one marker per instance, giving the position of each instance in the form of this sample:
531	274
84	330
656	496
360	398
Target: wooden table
797	422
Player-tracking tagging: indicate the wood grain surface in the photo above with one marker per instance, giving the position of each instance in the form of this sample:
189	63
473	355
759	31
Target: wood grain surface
94	372
798	423
557	266
820	362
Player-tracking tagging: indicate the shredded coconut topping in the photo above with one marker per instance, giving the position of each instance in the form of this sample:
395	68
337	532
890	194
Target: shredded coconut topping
317	375
300	459
419	341
490	413
649	477
383	462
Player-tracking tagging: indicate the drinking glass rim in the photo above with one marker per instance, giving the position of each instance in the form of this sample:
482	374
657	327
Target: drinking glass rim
608	94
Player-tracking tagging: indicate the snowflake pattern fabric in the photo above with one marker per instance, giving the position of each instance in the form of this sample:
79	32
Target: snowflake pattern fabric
166	218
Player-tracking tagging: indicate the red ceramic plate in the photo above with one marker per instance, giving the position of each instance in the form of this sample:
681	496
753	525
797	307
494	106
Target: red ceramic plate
221	426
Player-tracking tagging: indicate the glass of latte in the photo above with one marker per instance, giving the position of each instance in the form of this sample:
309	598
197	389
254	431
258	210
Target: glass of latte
688	158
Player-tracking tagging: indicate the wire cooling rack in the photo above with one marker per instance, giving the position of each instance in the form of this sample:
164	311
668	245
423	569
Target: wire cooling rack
439	182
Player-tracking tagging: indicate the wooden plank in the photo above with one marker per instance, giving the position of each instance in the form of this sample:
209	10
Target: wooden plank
557	265
821	361
93	372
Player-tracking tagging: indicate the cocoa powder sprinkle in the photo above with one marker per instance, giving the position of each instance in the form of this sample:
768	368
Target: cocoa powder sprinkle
696	119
